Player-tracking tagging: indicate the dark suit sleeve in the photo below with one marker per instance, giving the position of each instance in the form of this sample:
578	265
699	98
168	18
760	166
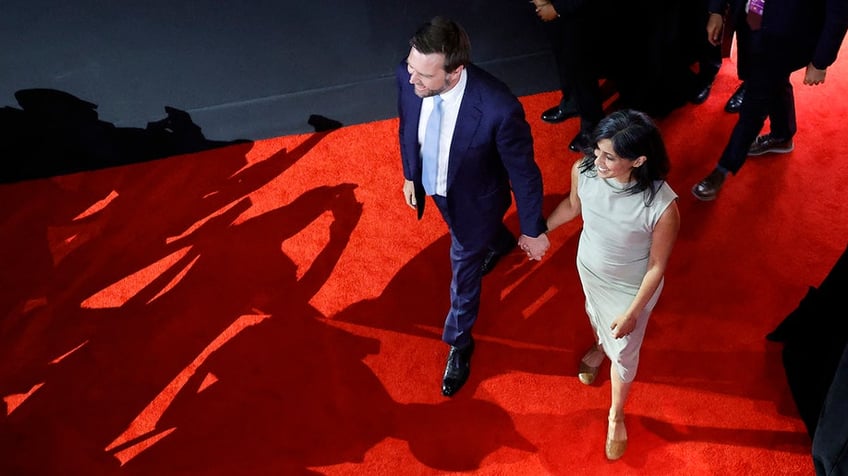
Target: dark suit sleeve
832	35
717	6
400	76
409	107
568	7
515	146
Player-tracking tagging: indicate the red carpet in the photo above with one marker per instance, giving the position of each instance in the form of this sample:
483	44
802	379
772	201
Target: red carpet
275	308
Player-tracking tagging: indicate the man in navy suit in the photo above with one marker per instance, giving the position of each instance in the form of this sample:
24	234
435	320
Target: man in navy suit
781	36
484	156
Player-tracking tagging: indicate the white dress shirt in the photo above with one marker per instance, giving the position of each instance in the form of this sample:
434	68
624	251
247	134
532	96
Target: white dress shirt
450	110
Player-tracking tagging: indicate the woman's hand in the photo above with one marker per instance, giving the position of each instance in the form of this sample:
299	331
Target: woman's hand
622	326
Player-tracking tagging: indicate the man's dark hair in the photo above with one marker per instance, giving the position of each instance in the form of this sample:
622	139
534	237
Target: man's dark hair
441	35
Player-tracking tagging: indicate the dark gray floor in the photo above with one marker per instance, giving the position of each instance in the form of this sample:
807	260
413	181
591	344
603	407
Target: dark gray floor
248	70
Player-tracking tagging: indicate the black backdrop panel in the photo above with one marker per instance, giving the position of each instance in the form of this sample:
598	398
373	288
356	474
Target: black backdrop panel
252	69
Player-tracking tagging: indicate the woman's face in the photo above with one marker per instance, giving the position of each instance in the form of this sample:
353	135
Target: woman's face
610	166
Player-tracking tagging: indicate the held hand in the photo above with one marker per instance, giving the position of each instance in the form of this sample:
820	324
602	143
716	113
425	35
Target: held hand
409	193
534	247
622	327
814	76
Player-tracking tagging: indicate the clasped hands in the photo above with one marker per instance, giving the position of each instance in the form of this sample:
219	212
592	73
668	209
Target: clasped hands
534	247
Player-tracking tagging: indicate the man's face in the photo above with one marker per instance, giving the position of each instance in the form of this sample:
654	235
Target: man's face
427	73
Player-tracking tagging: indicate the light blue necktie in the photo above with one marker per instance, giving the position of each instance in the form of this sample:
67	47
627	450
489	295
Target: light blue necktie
430	149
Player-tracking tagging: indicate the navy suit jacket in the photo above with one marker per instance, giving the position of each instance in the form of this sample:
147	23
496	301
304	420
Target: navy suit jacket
491	158
797	32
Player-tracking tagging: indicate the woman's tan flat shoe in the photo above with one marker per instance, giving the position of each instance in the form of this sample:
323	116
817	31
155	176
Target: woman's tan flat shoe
586	373
614	449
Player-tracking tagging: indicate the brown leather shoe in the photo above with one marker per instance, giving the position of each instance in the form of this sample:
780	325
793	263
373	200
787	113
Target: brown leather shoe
769	144
707	189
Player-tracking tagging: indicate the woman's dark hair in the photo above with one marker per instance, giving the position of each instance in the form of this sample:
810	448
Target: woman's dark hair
441	35
633	134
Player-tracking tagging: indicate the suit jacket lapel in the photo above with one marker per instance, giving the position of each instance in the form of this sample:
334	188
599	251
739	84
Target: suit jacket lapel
467	121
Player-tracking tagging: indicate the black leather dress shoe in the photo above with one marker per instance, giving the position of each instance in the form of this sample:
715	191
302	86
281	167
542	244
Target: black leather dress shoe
558	114
457	368
734	104
493	257
701	94
580	143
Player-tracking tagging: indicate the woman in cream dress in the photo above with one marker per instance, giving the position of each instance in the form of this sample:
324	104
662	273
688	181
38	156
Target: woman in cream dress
630	223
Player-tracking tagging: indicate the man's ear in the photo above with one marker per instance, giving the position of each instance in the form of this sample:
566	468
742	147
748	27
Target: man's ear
457	70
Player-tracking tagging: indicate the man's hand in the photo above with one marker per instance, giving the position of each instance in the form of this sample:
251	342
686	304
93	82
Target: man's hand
409	193
534	247
814	76
545	10
715	25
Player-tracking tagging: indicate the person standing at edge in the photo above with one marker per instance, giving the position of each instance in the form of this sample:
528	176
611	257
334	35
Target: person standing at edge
569	25
781	36
566	108
630	224
483	155
710	60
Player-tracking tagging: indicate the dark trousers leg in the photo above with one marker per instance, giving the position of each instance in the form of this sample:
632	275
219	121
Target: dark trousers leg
587	95
765	96
503	241
752	117
743	55
465	289
768	94
554	32
578	71
782	111
466	281
709	63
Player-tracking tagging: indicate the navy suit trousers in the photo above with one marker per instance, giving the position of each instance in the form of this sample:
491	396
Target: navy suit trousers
467	278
